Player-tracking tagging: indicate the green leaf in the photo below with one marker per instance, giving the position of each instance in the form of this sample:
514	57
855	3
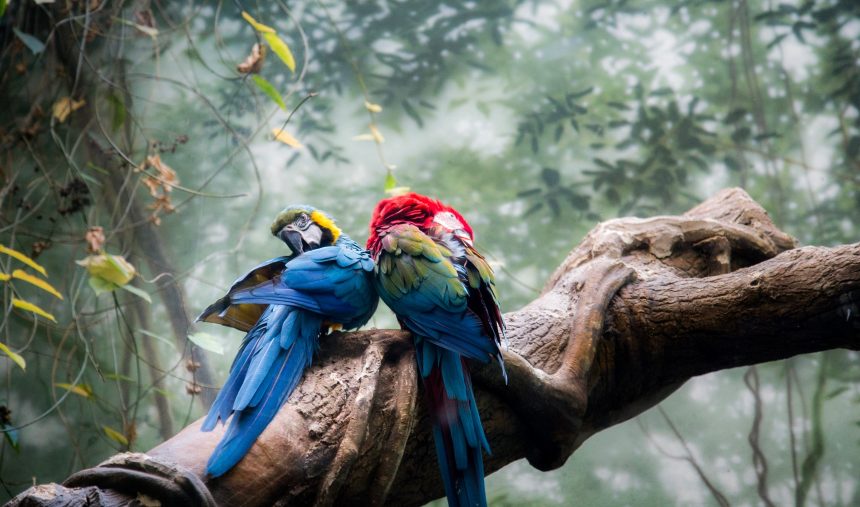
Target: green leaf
119	111
157	337
735	115
121	267
409	110
117	376
270	90
618	105
111	268
13	356
776	40
550	176
740	135
604	164
281	49
101	286
577	201
767	135
3	5
529	192
32	43
583	93
390	181
137	291
207	342
798	28
533	209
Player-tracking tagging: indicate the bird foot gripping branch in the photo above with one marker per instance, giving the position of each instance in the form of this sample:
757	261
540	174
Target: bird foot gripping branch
635	310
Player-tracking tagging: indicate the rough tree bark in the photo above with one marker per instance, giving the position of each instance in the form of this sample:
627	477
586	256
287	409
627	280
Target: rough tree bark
638	308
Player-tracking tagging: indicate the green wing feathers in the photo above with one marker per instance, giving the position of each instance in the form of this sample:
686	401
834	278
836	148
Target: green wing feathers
412	264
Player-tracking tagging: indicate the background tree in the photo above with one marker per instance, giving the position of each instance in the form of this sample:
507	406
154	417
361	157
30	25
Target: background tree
538	117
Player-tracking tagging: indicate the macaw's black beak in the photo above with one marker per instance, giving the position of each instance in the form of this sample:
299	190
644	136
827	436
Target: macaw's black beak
293	239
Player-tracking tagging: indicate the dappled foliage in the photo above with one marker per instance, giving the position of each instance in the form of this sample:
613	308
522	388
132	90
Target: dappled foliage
154	142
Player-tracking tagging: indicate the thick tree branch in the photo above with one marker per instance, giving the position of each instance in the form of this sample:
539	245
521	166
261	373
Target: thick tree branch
637	309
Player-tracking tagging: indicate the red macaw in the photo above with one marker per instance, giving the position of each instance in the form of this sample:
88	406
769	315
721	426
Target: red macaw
443	291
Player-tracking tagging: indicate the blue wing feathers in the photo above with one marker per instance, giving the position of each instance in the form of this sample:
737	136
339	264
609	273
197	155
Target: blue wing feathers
330	284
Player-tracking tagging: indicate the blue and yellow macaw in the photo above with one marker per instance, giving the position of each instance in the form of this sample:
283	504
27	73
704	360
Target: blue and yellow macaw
285	304
443	291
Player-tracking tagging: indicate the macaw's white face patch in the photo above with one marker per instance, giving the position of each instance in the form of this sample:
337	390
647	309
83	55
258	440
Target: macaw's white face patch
447	220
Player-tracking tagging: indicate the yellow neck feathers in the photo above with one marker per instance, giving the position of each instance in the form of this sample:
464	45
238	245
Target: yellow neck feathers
326	223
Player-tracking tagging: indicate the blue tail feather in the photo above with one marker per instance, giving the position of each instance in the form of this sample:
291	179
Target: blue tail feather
261	379
457	430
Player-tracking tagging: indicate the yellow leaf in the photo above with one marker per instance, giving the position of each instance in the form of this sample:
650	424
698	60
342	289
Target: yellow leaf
286	138
281	49
115	435
13	356
112	268
377	135
260	27
38	282
23	258
79	389
373	108
30	307
63	107
4	277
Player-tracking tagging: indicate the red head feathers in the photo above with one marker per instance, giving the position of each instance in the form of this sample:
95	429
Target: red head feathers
415	209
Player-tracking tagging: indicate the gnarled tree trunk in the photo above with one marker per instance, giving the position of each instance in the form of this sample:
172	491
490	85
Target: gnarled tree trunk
641	306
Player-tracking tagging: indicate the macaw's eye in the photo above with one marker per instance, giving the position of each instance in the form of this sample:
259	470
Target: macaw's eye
302	221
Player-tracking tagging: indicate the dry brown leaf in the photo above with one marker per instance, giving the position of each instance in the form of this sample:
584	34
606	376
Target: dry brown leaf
162	203
39	247
165	173
254	62
192	365
159	185
152	184
95	238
